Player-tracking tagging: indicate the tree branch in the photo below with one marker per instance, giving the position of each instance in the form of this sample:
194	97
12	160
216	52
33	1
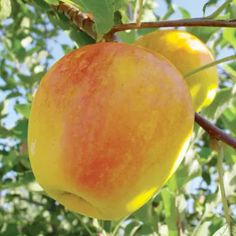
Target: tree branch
194	22
85	22
214	131
82	20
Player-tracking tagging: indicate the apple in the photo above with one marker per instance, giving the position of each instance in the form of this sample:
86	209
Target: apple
187	53
109	124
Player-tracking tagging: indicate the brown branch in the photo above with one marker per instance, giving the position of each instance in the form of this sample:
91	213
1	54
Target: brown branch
194	22
82	20
214	131
85	22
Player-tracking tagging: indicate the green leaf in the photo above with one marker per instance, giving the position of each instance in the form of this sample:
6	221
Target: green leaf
232	10
117	17
231	69
222	100
103	12
42	4
80	37
119	3
230	154
209	3
170	211
223	231
53	2
20	130
145	230
189	169
11	229
132	227
23	180
23	109
184	12
229	119
5	9
203	229
230	36
203	33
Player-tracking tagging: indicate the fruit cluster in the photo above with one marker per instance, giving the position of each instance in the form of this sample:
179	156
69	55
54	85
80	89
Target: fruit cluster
111	122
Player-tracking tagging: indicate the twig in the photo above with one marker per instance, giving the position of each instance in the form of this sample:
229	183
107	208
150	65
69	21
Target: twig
214	131
139	11
193	22
222	60
220	169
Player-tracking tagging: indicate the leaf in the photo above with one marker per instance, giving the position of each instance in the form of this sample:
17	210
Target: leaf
184	12
42	4
206	176
145	230
222	100
53	2
119	3
5	9
230	36
232	10
170	211
80	37
230	154
128	37
132	227
231	69
23	180
223	231
117	17
189	169
11	229
23	109
20	130
144	214
203	229
103	12
4	132
170	12
203	33
229	119
230	181
209	3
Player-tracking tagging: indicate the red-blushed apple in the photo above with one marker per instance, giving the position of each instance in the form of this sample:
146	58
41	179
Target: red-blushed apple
109	124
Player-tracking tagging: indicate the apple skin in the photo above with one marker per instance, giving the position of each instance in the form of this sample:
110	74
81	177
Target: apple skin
187	53
109	124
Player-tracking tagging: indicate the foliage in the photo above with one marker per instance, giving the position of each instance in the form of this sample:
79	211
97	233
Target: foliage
33	36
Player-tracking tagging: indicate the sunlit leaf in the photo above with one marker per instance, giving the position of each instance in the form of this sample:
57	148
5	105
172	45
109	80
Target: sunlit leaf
5	9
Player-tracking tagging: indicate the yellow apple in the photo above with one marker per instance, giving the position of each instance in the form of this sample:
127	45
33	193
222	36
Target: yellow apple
109	124
187	53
